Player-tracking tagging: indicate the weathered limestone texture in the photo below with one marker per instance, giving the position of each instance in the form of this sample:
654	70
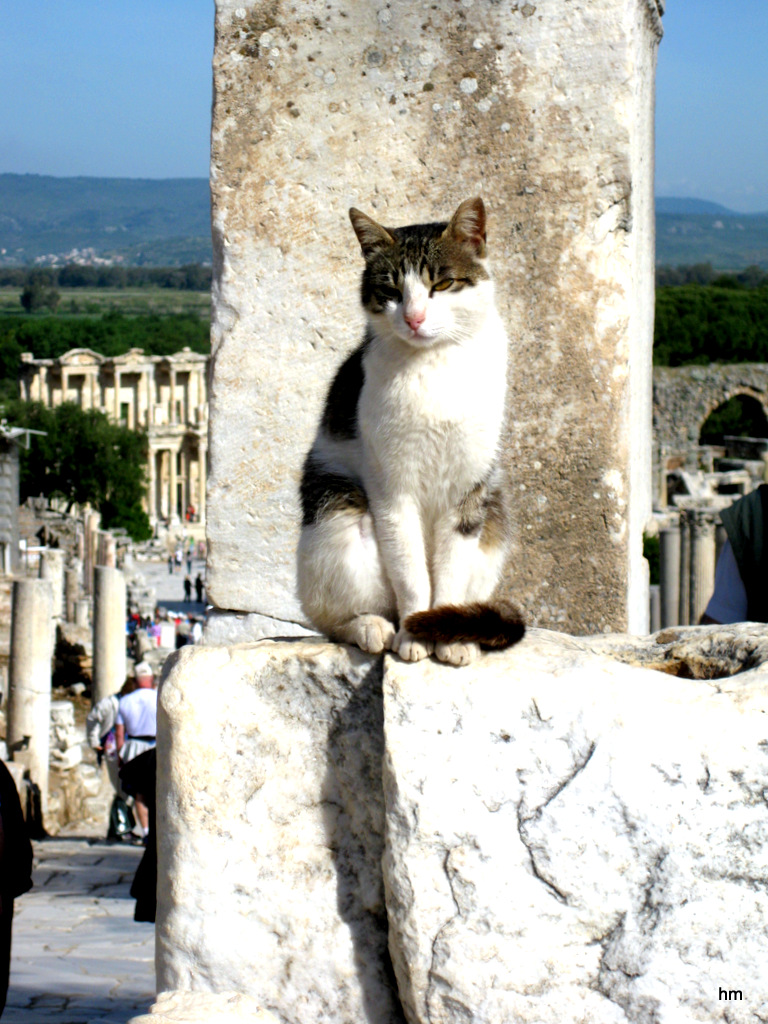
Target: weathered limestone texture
573	831
591	847
205	1008
270	825
404	110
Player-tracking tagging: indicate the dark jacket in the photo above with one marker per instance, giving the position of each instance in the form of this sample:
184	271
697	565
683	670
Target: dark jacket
746	522
16	866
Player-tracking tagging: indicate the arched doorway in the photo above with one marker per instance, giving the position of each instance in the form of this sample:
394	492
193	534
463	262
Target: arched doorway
740	416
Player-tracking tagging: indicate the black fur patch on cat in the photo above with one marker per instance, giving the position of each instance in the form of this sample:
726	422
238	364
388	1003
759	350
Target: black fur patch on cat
340	415
323	492
493	626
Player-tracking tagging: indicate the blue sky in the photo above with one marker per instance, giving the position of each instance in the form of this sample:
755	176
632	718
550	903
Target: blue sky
122	88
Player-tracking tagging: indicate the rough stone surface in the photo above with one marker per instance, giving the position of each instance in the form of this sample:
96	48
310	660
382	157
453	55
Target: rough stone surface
684	396
572	835
591	847
205	1008
404	110
270	826
226	628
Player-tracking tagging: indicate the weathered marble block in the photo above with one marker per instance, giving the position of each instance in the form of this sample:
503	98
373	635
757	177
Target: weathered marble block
271	827
569	832
572	839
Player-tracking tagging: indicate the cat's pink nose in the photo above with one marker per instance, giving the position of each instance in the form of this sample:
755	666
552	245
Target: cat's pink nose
415	320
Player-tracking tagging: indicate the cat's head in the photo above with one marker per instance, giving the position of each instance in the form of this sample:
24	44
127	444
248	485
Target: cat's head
427	283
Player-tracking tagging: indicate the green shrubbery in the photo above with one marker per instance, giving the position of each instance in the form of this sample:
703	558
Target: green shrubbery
82	457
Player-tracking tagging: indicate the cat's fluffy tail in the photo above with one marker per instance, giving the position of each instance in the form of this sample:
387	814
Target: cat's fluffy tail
493	626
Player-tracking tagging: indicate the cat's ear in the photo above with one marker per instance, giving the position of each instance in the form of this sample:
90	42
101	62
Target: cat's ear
467	225
371	236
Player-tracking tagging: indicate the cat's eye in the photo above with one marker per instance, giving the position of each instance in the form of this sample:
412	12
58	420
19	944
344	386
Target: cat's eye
393	294
442	286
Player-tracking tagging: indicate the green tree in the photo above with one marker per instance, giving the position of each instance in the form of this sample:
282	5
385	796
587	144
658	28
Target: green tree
84	458
39	293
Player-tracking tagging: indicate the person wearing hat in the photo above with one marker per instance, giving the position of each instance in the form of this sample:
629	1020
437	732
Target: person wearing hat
136	729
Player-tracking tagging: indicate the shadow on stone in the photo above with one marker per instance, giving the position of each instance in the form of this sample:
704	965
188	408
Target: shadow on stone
353	814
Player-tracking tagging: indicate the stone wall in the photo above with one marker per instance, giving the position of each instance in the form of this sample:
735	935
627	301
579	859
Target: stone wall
403	110
684	396
571	830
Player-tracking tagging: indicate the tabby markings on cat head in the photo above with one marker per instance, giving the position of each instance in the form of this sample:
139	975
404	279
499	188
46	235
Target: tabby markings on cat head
419	282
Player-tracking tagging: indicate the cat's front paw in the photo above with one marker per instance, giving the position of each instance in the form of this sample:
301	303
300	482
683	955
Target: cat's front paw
372	633
409	648
457	653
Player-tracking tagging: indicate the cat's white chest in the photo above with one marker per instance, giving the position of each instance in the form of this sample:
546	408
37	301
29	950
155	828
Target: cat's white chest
430	423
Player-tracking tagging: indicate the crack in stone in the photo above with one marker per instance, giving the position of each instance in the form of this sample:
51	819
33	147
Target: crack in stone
432	974
524	819
550	885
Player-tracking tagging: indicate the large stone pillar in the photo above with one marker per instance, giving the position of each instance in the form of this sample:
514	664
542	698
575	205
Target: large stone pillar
109	615
29	679
669	573
404	110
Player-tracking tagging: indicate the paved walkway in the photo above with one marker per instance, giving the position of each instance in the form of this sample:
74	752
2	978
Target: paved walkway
169	587
78	957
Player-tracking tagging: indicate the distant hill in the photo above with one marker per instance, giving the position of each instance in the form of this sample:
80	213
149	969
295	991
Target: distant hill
140	221
673	204
167	223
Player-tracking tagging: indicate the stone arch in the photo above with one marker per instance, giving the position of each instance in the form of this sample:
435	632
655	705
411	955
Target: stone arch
745	401
685	396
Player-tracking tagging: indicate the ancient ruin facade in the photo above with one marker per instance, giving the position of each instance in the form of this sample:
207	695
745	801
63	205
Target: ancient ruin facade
685	396
165	395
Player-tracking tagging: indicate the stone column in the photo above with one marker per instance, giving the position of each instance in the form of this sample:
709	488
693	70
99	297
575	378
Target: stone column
109	615
107	549
151	396
51	568
82	612
684	609
92	520
152	511
669	573
29	679
71	592
172	509
172	389
368	105
702	527
655	608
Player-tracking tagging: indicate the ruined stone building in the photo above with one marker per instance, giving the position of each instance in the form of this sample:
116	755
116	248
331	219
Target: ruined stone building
165	395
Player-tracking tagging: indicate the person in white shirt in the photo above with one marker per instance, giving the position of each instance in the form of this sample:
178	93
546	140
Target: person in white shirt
136	729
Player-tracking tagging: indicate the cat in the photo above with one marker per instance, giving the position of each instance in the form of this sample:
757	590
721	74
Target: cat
405	525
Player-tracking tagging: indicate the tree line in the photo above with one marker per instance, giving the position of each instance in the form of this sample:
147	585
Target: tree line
712	323
191	277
